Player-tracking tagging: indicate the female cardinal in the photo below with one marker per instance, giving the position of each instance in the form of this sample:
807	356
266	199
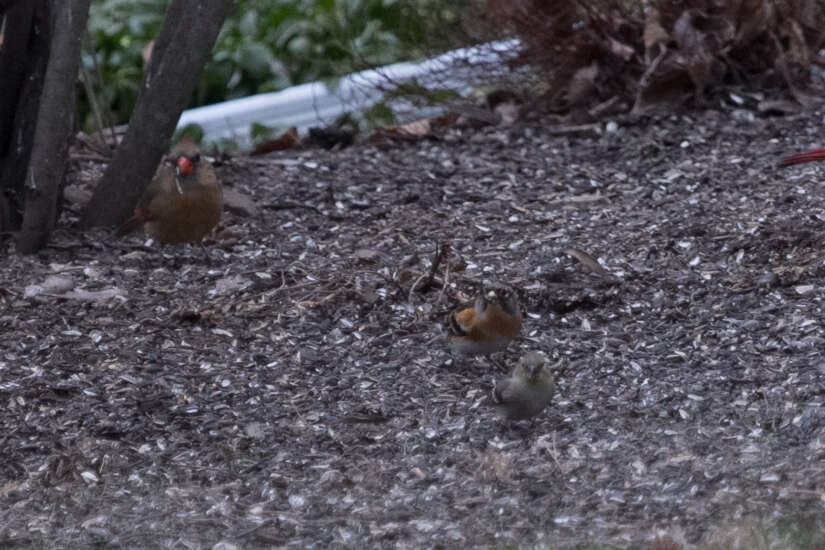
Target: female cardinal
183	202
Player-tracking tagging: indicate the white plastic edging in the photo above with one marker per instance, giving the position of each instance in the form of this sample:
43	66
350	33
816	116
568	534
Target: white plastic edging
314	104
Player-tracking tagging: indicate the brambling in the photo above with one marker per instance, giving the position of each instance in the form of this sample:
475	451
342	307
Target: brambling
528	389
487	327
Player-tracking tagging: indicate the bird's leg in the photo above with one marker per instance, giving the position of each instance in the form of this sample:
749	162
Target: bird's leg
460	360
516	429
173	261
206	255
177	262
492	359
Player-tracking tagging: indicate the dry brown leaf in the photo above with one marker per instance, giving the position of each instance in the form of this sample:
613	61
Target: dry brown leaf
501	95
693	51
508	113
620	49
367	254
239	203
593	129
194	316
777	106
146	52
689	39
287	140
751	18
421	128
687	47
98	296
587	261
804	98
443	122
415	128
582	85
95	142
231	285
669	84
798	51
52	285
76	195
654	34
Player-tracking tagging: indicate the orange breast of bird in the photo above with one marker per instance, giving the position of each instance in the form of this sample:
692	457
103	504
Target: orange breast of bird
497	323
465	320
494	324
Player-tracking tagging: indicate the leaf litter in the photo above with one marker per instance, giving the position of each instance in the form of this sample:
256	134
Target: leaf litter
296	389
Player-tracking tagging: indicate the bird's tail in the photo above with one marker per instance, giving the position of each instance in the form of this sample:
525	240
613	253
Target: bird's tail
810	156
129	226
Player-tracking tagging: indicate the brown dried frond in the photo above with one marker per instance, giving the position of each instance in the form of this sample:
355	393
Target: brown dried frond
661	50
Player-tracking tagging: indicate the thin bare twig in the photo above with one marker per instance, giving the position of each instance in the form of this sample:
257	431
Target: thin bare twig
285	205
412	288
441	251
88	157
107	113
644	81
90	94
446	282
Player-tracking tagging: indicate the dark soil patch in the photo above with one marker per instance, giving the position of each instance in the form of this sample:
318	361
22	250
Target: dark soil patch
296	391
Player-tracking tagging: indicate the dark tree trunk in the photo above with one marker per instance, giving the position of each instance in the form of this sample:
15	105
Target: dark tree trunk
189	31
13	65
6	5
55	121
23	58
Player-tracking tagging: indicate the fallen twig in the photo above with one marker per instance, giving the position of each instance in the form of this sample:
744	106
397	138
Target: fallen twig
285	205
440	253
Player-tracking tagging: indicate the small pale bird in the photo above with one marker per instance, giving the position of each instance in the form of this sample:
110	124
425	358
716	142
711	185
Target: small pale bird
528	389
489	326
183	202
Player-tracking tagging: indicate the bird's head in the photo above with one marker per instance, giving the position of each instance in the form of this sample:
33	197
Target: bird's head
185	155
535	364
503	297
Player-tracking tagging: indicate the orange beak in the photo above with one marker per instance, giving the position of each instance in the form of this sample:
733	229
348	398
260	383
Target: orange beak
185	166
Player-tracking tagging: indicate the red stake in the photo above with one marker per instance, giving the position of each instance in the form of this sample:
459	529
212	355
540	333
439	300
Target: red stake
799	158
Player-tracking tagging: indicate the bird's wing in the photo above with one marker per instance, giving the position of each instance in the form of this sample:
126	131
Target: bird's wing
498	322
161	183
507	390
146	208
162	197
209	184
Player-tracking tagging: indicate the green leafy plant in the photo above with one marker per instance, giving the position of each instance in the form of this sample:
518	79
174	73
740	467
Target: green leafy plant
265	45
